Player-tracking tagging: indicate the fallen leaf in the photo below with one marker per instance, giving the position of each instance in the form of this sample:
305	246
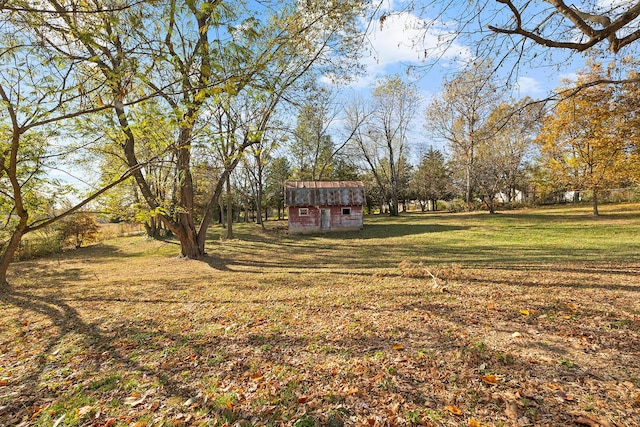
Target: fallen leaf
638	398
511	411
4	382
229	405
473	423
524	421
109	423
58	421
572	306
81	412
453	409
303	399
525	312
489	379
398	347
586	422
525	394
134	401
516	335
490	307
36	412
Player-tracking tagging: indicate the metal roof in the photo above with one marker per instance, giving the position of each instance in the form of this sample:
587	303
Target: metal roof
324	193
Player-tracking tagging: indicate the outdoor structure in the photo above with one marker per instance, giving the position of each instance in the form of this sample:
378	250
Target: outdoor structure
316	206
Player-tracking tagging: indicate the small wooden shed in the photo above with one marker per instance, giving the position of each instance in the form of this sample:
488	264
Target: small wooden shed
318	206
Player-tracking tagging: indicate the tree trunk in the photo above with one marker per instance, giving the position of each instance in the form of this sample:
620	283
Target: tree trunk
188	233
467	195
189	247
595	203
8	253
258	208
229	210
221	207
490	205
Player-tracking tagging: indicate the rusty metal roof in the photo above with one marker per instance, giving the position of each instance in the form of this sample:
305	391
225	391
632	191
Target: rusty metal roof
324	193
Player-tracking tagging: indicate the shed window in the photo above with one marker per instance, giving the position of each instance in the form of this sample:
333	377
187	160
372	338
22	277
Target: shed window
303	212
346	211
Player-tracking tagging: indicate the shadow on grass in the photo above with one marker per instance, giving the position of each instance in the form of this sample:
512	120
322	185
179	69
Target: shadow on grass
235	354
384	231
97	346
273	348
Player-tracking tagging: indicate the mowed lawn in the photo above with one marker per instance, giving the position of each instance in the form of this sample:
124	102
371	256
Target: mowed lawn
527	317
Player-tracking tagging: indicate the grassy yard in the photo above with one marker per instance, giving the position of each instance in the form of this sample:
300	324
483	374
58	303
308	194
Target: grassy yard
533	318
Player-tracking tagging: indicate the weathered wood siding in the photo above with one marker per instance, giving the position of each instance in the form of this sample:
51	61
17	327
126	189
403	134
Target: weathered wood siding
316	196
339	222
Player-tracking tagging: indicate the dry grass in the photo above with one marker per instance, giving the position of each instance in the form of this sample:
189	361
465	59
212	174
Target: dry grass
539	325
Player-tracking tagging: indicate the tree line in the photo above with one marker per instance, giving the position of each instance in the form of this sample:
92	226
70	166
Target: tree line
496	148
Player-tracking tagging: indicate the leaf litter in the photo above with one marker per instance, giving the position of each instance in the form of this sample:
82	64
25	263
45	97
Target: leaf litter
509	346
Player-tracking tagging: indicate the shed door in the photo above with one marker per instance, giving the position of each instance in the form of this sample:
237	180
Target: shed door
325	219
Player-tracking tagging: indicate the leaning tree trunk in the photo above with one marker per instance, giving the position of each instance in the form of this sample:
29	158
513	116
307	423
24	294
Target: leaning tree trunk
9	251
595	203
6	258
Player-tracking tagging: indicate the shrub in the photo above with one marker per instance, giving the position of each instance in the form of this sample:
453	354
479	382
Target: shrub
38	245
78	229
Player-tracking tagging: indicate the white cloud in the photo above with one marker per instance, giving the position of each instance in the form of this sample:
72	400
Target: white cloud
529	86
404	39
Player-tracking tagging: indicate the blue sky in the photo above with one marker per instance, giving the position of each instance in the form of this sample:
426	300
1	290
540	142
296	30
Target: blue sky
401	41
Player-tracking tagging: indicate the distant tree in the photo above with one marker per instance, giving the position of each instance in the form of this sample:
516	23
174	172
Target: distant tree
405	169
344	169
501	160
380	130
431	180
487	175
311	148
579	140
278	171
78	229
256	163
459	116
628	103
375	197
